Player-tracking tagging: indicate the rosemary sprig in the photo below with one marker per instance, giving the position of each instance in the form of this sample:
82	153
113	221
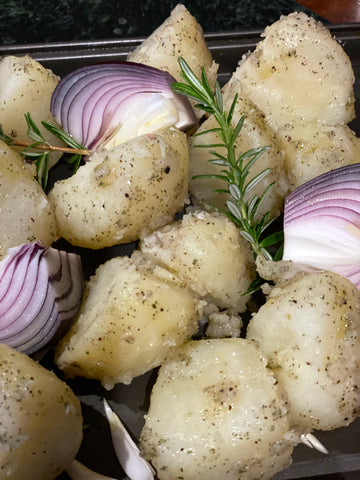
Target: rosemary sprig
244	212
43	148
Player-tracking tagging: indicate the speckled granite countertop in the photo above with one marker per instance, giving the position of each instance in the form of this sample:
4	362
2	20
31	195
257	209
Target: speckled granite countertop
33	21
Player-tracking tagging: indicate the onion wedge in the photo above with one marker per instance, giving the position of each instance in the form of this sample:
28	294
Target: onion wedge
107	104
40	293
322	223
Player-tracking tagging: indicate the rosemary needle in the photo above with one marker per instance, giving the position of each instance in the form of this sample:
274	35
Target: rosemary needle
235	173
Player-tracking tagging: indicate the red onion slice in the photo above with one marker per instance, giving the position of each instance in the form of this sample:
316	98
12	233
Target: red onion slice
118	101
40	293
22	296
322	223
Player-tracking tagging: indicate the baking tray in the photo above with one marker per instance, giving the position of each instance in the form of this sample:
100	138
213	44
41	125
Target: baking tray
131	402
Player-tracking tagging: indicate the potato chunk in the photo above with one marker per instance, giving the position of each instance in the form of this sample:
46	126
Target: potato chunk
26	87
294	74
293	79
179	36
130	320
227	418
206	251
139	184
255	133
41	422
313	149
26	214
309	330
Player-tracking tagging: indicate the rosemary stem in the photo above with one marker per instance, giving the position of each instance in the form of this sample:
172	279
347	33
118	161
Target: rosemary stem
242	207
52	148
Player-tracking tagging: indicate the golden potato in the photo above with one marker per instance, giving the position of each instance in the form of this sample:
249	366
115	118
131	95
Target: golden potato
26	214
26	86
130	320
227	418
207	253
309	330
41	422
139	184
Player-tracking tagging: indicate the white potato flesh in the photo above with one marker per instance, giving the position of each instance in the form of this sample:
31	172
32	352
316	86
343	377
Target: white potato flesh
222	323
314	149
299	74
41	422
255	133
130	320
206	252
139	184
309	330
26	87
216	412
179	36
25	213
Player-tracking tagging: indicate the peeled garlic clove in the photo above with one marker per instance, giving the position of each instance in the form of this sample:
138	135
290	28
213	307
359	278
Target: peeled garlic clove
78	471
311	441
128	454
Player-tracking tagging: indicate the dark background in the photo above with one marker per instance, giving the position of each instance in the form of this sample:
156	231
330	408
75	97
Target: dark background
33	21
